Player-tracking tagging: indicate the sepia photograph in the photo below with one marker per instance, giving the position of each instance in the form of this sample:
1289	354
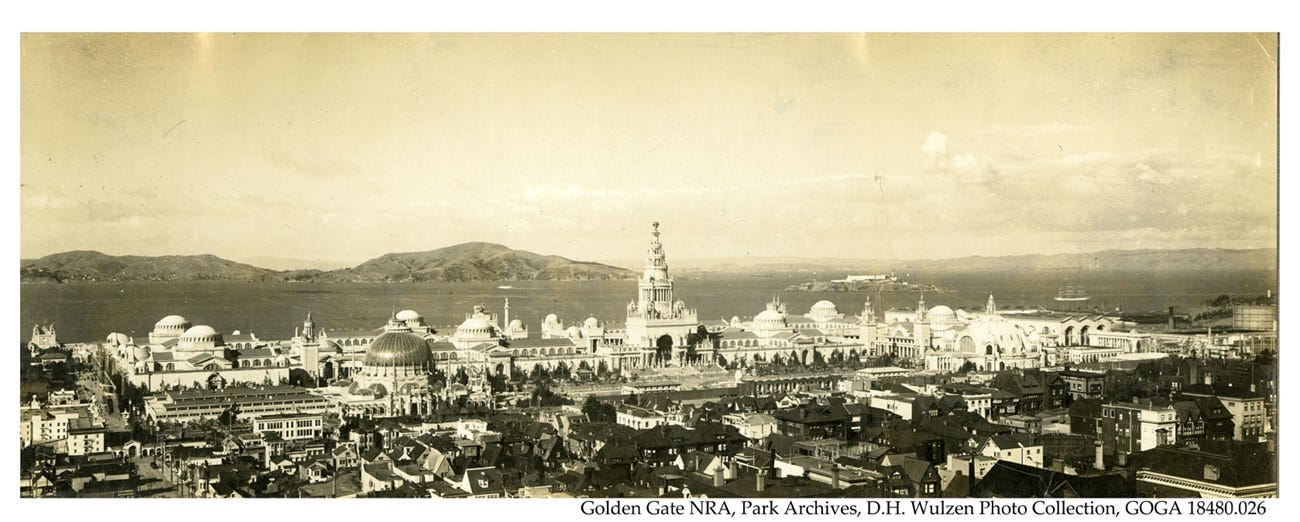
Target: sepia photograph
628	265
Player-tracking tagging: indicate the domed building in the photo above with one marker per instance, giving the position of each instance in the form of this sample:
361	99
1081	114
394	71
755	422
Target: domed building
942	317
168	328
397	367
770	321
553	327
201	338
478	328
824	311
987	341
414	321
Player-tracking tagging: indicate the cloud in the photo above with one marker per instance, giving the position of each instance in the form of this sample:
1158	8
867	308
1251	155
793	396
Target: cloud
1147	174
965	167
935	151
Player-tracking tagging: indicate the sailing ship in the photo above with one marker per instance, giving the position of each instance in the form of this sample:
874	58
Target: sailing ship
1071	292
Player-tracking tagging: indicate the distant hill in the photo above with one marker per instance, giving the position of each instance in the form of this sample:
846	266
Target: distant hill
475	262
89	265
1127	260
464	262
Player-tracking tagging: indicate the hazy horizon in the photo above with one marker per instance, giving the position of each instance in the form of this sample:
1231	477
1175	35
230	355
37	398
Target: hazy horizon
343	147
284	263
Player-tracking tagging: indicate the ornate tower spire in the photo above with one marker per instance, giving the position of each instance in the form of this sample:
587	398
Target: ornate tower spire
920	308
309	328
991	307
655	289
868	313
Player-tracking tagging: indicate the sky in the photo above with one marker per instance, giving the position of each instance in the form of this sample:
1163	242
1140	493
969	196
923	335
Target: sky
337	148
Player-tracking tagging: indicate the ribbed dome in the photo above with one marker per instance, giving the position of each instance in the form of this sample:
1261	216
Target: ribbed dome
408	315
942	315
397	349
769	316
824	305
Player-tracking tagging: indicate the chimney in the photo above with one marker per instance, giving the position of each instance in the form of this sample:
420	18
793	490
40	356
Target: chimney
718	479
761	481
835	476
735	469
970	483
1171	318
1099	462
1121	459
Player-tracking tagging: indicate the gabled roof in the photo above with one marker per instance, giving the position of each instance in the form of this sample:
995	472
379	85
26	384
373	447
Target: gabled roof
1011	480
1232	463
483	480
1011	441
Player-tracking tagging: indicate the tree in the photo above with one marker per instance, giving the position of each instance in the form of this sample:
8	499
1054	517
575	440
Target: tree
1266	356
598	411
966	367
230	416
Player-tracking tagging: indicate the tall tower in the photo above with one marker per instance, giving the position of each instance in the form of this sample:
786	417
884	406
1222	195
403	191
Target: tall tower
921	329
656	319
991	307
655	288
309	349
867	325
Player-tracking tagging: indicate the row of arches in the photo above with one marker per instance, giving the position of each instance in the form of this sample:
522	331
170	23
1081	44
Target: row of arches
1078	337
258	363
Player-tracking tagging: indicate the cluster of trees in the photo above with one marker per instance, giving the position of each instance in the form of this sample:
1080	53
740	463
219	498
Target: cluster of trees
598	411
543	396
1221	307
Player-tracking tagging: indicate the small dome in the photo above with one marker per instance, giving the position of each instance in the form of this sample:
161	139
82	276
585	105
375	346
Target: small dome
408	315
591	322
768	316
573	331
516	325
200	331
552	318
397	349
173	321
140	352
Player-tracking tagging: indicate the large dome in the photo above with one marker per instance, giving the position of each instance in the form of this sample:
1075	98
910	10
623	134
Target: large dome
408	315
942	315
172	321
823	311
824	305
397	349
768	316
